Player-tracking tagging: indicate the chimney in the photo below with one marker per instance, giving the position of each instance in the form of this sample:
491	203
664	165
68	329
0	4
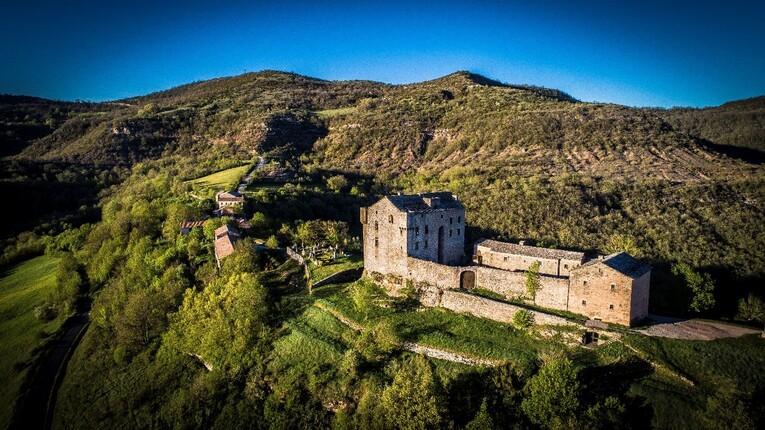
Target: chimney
522	242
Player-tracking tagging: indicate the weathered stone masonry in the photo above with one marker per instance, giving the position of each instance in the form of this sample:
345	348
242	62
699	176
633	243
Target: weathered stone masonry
420	239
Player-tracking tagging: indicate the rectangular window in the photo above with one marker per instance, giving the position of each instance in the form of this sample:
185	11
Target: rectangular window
376	226
505	258
426	229
565	266
459	219
416	230
584	302
451	220
416	245
613	287
458	232
611	307
376	242
426	244
450	233
584	283
390	219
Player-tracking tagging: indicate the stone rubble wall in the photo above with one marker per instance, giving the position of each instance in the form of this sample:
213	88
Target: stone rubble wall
495	310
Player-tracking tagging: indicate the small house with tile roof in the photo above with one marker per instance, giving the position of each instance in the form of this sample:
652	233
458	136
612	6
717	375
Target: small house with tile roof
229	198
225	238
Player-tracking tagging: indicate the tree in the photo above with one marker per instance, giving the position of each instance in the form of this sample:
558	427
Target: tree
336	233
337	183
621	243
415	398
701	285
68	278
272	242
222	324
532	280
752	309
363	297
553	395
482	420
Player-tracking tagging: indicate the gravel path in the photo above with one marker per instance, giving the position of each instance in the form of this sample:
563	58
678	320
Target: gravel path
693	329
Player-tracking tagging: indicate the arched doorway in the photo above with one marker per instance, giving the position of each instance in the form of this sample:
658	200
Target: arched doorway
441	245
467	280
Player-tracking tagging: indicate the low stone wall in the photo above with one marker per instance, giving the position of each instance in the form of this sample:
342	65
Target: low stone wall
492	309
347	275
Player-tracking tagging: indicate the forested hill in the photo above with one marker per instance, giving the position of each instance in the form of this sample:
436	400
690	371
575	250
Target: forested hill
462	118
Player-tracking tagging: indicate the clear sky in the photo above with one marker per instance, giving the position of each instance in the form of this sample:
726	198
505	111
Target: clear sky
646	53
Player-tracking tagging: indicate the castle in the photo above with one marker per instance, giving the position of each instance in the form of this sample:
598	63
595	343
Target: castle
420	239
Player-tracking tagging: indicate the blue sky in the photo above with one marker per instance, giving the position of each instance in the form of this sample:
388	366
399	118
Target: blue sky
650	53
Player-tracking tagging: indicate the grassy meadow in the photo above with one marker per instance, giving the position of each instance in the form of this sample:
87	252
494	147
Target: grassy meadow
22	287
223	180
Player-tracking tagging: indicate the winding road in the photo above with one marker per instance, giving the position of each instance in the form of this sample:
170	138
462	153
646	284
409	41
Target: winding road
243	185
36	408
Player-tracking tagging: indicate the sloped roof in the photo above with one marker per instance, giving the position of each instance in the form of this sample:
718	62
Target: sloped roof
426	202
224	246
624	264
193	223
229	196
530	251
226	230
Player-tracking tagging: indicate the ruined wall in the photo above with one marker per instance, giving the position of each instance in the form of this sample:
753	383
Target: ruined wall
492	309
601	292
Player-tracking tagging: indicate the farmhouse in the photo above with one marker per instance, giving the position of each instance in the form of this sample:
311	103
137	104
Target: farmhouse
229	198
420	239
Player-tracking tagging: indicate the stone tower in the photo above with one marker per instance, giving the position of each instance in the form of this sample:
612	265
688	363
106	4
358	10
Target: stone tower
428	227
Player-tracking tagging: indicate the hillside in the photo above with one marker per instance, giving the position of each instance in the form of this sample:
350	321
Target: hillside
461	119
177	340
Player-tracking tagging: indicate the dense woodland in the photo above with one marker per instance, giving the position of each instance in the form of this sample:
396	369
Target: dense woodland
176	342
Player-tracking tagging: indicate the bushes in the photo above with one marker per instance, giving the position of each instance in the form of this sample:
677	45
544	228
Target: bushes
523	318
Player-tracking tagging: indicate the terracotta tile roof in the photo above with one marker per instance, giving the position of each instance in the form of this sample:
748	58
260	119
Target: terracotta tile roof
229	196
224	246
531	251
193	223
427	202
226	231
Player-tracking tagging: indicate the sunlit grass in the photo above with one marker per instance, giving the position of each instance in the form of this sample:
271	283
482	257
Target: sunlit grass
22	287
223	180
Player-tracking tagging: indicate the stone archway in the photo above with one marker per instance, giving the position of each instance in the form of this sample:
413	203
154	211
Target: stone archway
467	280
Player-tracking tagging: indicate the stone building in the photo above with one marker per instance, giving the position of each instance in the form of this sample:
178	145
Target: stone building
428	227
614	288
229	198
511	256
420	239
225	238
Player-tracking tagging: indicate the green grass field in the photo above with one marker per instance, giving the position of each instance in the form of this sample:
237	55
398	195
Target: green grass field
22	287
329	113
343	263
223	180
